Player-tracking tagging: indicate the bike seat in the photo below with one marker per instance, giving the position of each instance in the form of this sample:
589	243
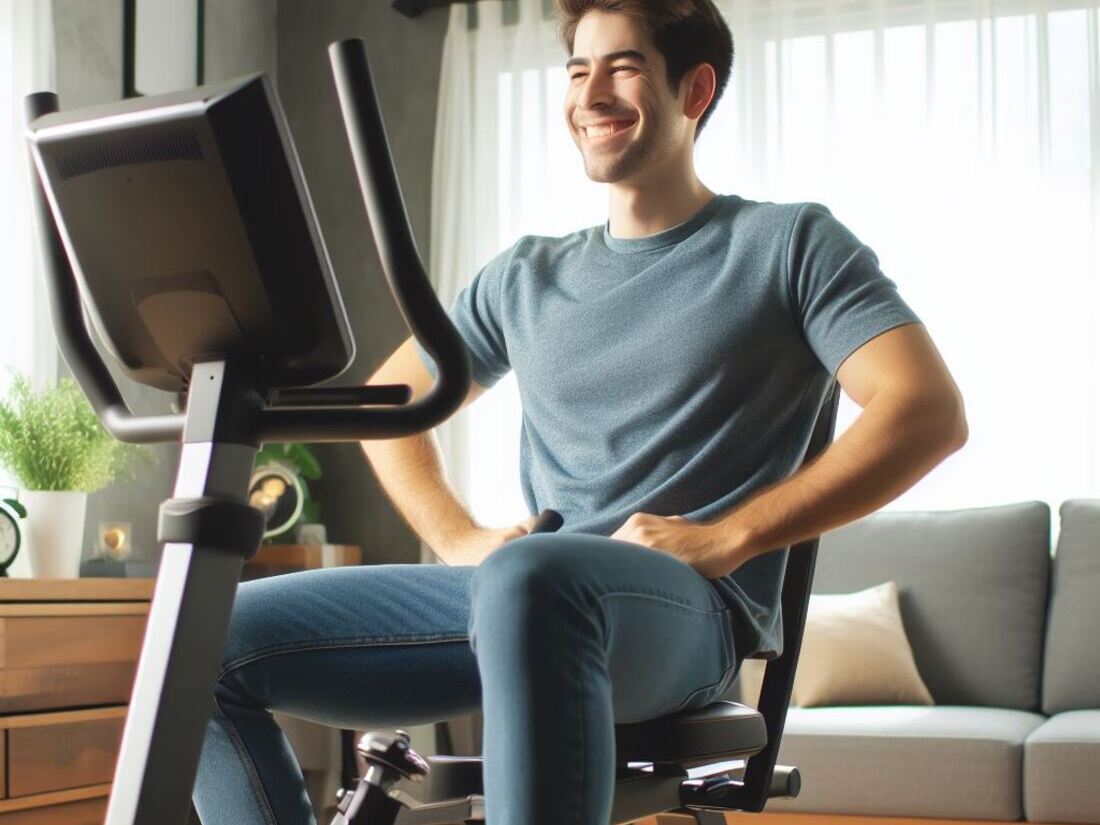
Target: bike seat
698	736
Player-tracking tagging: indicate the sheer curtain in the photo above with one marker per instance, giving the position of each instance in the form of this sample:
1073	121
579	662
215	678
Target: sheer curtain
960	140
26	65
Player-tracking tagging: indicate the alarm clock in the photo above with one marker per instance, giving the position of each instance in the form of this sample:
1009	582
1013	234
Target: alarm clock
11	534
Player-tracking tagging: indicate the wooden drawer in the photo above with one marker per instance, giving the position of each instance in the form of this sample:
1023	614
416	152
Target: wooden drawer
57	751
87	806
69	646
59	656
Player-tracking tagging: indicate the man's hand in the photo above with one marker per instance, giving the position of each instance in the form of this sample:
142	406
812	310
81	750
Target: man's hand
707	550
474	546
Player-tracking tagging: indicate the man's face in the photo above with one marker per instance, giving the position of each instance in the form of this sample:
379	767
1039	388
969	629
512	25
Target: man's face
619	109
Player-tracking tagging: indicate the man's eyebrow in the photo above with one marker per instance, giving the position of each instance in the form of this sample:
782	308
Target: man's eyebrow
583	61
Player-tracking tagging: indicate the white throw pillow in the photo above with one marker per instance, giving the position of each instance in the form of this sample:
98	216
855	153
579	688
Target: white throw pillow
854	652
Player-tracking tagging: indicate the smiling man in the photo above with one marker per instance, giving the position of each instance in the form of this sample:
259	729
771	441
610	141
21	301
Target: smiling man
671	364
630	124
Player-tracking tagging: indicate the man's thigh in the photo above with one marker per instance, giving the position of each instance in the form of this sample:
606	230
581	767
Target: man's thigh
664	629
356	646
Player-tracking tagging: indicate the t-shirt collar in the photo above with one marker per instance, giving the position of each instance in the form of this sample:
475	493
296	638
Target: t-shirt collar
666	237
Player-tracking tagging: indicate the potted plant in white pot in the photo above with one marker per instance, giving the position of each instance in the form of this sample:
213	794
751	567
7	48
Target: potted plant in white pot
55	447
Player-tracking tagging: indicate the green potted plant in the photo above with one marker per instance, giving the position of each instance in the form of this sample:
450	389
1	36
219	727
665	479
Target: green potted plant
52	443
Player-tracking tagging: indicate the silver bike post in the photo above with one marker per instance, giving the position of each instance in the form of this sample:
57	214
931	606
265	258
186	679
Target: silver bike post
188	622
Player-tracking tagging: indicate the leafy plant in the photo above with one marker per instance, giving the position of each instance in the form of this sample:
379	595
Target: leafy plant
303	463
53	440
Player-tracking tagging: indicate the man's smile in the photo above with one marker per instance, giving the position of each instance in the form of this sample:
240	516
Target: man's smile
607	131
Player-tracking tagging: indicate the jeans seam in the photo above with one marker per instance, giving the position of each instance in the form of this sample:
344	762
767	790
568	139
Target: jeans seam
584	750
330	644
693	693
726	671
664	598
249	765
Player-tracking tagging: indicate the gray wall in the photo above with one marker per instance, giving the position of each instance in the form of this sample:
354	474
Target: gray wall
240	38
405	58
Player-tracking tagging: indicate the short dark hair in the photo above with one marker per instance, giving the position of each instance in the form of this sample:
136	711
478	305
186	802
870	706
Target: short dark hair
686	32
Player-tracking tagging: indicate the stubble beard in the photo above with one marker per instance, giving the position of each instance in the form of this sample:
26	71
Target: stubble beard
609	167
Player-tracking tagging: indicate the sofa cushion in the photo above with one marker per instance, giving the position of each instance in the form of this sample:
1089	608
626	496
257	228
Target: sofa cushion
1071	673
1062	769
973	589
943	762
854	652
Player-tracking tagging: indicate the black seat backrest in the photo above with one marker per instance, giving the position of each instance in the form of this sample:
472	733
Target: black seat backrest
775	694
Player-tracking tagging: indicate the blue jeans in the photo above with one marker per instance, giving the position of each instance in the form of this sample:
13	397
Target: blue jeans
554	638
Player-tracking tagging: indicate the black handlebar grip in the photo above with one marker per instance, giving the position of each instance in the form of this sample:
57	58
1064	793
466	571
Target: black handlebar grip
549	521
404	273
389	222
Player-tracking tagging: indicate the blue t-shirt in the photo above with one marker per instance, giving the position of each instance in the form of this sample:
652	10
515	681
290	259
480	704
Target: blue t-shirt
679	373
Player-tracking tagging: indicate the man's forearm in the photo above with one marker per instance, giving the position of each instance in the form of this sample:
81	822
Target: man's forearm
412	474
889	447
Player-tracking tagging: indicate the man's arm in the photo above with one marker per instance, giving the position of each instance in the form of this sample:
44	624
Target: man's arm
912	418
411	469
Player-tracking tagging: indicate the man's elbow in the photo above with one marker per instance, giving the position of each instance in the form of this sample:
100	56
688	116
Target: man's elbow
956	430
939	418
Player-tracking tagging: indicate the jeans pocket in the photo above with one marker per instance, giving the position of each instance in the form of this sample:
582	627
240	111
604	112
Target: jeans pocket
728	667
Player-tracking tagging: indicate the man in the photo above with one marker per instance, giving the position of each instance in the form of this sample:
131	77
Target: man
671	365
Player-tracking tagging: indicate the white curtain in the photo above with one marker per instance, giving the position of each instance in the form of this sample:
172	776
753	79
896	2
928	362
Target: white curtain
960	140
27	65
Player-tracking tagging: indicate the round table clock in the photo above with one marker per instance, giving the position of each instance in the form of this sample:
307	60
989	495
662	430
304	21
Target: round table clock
276	491
11	534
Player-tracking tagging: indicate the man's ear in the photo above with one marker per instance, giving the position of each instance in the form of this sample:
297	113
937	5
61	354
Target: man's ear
701	83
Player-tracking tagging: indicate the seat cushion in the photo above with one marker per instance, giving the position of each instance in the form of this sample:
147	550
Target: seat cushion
720	730
973	590
1071	673
1062	769
945	762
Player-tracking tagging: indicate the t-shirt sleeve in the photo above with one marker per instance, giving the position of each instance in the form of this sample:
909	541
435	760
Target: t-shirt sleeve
840	296
476	314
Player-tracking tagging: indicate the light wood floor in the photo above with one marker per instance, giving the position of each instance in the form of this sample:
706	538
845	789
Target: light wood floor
737	818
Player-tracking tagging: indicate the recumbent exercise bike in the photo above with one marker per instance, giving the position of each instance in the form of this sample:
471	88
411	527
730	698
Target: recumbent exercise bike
177	229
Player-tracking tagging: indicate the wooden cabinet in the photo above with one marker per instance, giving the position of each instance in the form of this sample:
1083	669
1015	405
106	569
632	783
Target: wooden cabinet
68	655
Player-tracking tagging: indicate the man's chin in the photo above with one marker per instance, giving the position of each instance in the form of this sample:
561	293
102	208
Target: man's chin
604	174
614	169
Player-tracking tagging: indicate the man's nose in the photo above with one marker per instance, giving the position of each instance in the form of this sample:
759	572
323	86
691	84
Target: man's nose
595	91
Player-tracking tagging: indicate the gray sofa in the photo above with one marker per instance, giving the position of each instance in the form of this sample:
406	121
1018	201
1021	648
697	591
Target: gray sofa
1004	637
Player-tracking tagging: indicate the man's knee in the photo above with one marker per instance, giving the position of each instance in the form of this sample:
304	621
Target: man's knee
246	623
539	581
529	565
249	632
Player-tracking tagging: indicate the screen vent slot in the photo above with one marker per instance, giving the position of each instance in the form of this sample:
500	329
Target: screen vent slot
150	149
